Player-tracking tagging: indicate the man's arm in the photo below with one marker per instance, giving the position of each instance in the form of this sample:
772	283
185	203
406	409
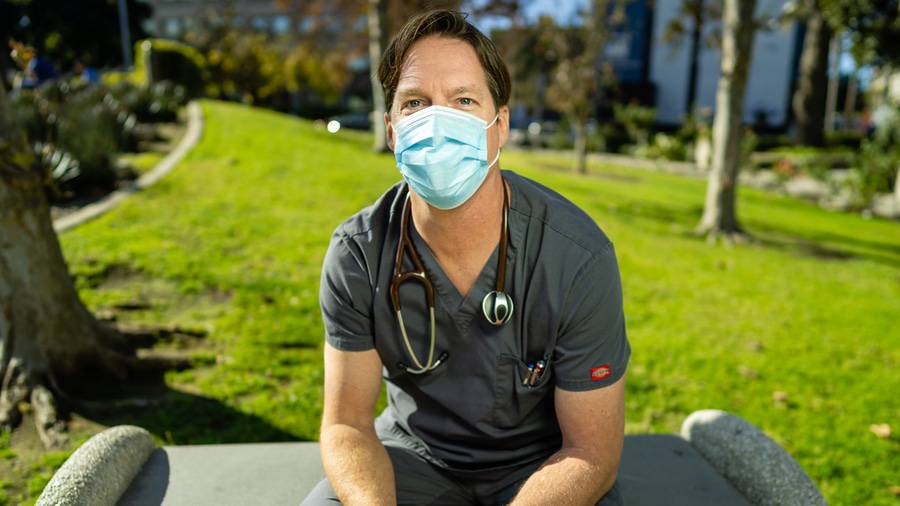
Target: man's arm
355	461
584	469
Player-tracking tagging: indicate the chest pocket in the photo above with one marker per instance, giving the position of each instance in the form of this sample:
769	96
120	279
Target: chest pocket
514	401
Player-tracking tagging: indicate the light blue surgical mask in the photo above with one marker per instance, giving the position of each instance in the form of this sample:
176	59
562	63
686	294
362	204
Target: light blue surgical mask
442	154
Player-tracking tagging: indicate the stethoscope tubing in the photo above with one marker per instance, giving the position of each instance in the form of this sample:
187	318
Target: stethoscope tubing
501	304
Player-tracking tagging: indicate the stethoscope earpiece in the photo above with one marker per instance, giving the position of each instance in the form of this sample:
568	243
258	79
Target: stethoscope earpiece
497	307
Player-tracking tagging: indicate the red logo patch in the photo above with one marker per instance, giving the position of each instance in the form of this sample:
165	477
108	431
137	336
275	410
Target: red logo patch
598	373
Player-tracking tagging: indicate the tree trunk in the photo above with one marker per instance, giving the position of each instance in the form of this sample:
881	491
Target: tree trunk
377	38
694	69
45	330
850	101
809	98
719	214
897	187
580	127
834	81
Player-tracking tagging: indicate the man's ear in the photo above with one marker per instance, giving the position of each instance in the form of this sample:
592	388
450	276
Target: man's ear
389	129
503	124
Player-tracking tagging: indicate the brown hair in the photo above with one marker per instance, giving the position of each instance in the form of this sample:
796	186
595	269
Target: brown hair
445	23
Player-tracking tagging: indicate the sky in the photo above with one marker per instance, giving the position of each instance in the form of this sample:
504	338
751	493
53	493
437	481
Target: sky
563	10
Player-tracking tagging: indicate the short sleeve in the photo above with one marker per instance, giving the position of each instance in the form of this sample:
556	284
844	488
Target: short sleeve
345	297
592	349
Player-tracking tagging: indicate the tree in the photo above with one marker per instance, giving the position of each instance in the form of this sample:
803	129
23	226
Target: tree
873	27
530	52
45	330
691	20
812	83
378	15
577	79
719	214
66	32
377	43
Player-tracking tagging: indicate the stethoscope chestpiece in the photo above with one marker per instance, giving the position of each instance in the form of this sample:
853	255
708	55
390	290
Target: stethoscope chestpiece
497	307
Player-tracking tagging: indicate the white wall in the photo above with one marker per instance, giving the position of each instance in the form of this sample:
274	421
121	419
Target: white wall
768	86
668	65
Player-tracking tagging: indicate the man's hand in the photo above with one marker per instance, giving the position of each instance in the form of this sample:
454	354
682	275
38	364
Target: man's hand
355	461
584	469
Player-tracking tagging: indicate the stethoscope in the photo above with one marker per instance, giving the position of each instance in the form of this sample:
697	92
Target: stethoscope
497	305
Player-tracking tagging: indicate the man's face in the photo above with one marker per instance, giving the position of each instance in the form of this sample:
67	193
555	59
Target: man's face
446	71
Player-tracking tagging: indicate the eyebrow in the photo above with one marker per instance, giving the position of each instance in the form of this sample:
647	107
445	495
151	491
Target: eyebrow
414	91
465	89
406	92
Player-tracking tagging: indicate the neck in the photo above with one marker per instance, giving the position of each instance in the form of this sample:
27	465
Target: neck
465	232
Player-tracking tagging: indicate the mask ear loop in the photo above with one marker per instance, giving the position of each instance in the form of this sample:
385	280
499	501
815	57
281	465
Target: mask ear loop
496	158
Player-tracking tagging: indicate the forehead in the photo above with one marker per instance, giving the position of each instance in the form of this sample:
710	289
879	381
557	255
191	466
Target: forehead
442	62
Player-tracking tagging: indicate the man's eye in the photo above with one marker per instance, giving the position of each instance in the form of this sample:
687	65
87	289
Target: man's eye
465	101
413	103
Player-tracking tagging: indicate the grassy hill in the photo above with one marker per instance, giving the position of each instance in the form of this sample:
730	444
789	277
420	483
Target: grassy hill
796	333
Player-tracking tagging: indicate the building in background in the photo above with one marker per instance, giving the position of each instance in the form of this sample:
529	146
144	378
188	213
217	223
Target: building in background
773	69
172	18
650	69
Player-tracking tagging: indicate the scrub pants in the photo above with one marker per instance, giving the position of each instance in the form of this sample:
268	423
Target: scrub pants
419	482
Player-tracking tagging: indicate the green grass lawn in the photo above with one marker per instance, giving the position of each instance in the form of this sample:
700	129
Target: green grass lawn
232	242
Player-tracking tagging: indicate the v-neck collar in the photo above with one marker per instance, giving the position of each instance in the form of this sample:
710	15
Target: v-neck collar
463	309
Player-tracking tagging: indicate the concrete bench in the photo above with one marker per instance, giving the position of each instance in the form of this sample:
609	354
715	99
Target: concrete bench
122	466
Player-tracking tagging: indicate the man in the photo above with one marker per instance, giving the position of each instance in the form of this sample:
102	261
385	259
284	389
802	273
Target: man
495	317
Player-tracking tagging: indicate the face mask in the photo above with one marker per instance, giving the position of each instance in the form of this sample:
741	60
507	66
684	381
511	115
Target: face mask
442	154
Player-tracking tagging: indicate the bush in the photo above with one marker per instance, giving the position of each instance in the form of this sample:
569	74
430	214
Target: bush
615	138
876	170
171	61
241	66
664	146
75	128
879	159
561	138
88	129
637	121
324	75
845	138
157	103
768	142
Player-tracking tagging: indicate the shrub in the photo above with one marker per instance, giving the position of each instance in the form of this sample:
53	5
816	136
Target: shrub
75	129
561	138
324	75
664	146
156	103
59	166
89	131
171	61
879	158
637	121
845	138
769	142
876	170
241	66
615	138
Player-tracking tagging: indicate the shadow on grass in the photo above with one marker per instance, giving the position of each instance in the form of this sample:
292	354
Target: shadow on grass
570	169
818	245
177	417
823	246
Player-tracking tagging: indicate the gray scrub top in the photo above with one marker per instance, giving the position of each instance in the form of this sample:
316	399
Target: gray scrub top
472	412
